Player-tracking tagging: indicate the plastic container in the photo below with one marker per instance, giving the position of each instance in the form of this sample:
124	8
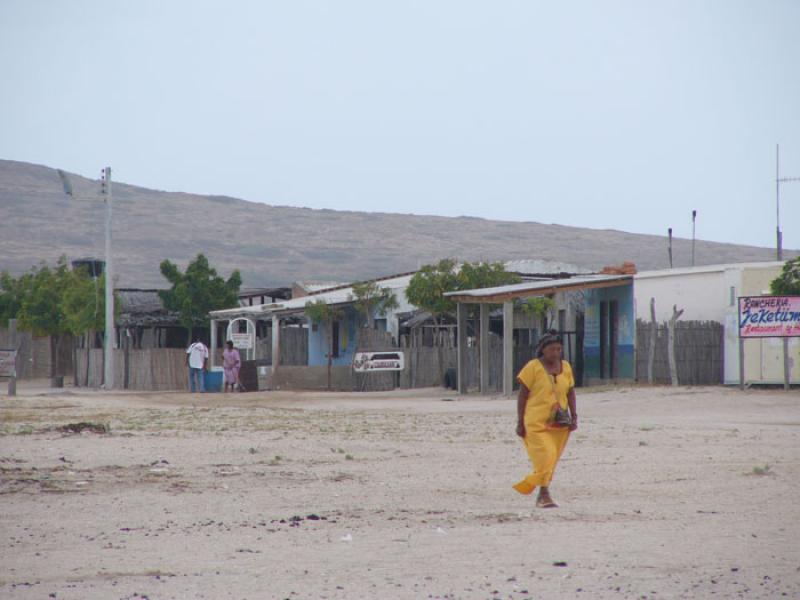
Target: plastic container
213	379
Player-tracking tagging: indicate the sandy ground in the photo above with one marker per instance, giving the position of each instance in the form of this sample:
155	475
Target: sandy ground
664	493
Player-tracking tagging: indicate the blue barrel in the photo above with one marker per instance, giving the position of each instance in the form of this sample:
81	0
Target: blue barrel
213	380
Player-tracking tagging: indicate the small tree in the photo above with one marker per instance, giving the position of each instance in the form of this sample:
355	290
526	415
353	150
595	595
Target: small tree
323	314
372	299
84	305
477	275
13	291
540	308
428	285
41	310
788	282
198	291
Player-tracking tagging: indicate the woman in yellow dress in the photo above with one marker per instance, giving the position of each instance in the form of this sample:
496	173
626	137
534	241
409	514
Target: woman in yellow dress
546	383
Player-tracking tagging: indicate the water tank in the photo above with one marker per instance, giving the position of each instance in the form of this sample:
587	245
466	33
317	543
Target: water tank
93	266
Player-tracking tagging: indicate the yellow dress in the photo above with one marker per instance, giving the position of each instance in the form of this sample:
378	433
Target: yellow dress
544	443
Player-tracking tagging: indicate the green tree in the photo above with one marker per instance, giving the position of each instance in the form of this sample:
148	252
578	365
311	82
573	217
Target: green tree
198	291
84	305
372	299
541	308
325	315
476	275
428	285
788	282
41	309
13	291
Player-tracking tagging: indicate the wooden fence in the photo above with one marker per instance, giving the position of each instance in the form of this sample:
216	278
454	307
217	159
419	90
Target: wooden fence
33	354
294	346
156	369
699	352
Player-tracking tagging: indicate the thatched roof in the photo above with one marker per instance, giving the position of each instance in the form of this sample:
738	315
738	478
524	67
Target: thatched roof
143	308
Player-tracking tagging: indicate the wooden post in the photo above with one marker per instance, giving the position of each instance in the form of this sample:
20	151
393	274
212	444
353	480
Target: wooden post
651	351
484	347
741	362
786	367
127	358
461	349
673	368
12	332
75	381
508	347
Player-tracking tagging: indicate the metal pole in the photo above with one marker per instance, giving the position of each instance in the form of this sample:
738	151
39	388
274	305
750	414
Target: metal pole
276	342
212	352
694	217
670	247
778	240
108	375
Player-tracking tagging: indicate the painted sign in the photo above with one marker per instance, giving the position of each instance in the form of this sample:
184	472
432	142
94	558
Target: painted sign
769	316
378	361
242	341
8	363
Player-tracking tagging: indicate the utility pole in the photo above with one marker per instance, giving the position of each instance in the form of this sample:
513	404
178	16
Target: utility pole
778	240
110	333
694	218
778	181
111	337
779	246
669	248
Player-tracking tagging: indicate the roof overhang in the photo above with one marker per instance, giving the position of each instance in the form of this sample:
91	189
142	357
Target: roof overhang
258	311
505	293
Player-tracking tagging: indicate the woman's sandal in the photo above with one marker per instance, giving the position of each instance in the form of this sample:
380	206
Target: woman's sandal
545	503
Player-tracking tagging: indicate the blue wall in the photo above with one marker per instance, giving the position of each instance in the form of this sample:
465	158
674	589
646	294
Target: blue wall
625	332
348	340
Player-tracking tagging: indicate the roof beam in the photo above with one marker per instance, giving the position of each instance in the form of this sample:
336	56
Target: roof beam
504	297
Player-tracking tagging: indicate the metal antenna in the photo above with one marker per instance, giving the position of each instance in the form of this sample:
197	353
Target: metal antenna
778	181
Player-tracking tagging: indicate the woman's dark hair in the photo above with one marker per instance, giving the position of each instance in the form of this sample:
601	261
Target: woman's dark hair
229	343
551	337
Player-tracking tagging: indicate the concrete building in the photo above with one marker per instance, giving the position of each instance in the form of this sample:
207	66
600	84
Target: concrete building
710	293
606	301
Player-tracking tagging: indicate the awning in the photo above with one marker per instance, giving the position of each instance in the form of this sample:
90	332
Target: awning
529	289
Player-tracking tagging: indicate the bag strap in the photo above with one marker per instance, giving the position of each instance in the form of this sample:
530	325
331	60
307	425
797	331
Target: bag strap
552	378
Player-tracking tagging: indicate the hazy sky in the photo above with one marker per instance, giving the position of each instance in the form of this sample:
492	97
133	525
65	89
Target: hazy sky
623	115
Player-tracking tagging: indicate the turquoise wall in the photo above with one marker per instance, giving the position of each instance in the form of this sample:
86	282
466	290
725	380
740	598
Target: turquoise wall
625	332
348	339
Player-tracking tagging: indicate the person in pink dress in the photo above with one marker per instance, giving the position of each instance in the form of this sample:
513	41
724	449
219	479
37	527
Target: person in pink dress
231	362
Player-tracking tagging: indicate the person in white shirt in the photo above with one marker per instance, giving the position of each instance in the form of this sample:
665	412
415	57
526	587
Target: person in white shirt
196	357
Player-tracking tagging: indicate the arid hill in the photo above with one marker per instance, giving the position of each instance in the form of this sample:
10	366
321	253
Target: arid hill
275	245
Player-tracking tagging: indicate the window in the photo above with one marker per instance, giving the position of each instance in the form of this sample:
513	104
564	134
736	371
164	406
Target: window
733	295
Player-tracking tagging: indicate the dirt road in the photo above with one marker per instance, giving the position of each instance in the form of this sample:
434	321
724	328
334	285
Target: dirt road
664	493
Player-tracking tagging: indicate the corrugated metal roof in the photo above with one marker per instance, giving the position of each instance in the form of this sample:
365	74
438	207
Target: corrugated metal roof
338	296
537	288
543	267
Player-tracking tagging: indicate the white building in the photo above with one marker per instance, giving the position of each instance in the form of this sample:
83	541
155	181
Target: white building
710	293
